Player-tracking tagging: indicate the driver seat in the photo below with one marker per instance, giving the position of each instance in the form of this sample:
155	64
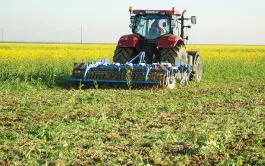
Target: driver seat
154	32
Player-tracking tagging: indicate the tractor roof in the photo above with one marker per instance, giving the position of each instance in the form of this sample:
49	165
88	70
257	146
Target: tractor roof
167	12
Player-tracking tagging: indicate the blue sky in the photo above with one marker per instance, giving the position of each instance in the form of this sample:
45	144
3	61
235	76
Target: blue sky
104	21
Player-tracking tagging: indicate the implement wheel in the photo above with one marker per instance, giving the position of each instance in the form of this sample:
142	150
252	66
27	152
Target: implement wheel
124	54
197	69
171	55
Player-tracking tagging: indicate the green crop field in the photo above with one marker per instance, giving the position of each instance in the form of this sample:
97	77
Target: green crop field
43	121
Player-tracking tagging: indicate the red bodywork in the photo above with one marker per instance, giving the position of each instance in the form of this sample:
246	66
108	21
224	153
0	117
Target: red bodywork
131	40
169	41
167	12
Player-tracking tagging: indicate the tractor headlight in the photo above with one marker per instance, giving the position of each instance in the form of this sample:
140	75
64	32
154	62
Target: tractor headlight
171	38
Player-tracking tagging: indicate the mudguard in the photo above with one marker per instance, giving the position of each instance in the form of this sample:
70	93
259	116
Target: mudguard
131	40
169	41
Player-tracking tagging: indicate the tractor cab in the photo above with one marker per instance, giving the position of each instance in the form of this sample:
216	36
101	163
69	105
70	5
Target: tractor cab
159	33
151	26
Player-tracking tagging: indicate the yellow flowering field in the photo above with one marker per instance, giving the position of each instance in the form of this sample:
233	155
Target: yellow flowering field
51	63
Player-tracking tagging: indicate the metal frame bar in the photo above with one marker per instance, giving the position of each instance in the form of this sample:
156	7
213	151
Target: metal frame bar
141	55
115	81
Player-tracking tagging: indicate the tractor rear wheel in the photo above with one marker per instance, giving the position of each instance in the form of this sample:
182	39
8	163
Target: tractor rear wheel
124	54
171	55
196	73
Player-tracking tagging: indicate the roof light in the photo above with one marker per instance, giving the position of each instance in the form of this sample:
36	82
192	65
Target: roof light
151	12
173	10
163	13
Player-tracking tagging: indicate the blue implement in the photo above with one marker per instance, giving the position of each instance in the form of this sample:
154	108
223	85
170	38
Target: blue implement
163	74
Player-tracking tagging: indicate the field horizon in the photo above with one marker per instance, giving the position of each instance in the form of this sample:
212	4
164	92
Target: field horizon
54	42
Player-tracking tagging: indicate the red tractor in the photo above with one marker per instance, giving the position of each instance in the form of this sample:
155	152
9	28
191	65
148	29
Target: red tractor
154	54
156	32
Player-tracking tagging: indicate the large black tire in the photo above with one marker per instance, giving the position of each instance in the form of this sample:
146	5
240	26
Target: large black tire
124	54
196	74
171	55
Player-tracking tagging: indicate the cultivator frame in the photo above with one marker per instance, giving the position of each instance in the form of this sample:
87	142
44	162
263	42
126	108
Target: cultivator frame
162	74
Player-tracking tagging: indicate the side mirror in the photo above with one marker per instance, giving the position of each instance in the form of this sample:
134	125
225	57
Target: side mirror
131	26
132	19
193	19
164	24
173	23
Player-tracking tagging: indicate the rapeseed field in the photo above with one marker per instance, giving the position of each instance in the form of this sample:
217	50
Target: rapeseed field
53	63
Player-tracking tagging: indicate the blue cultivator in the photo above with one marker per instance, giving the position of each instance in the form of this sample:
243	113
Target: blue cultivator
163	74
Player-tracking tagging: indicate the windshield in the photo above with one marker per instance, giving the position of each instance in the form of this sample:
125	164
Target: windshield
152	26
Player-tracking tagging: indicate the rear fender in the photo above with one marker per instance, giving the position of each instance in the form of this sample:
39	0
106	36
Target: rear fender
131	40
169	41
